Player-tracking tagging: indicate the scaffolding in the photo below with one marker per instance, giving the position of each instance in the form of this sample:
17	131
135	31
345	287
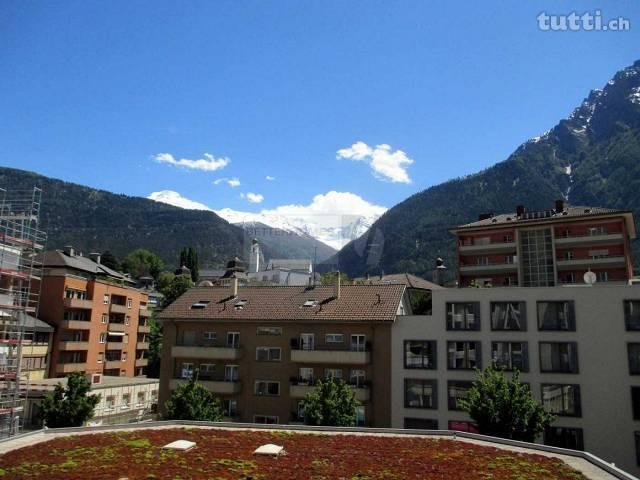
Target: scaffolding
21	246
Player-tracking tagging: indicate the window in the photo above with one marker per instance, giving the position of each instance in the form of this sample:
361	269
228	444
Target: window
206	371
633	354
186	370
561	399
508	316
305	376
635	402
456	390
129	303
462	426
556	316
358	343
602	276
273	331
632	314
333	373
307	341
154	395
558	357
420	393
420	423
140	399
463	355
100	357
536	258
564	437
510	355
233	339
230	407
360	416
268	354
463	316
267	419
105	318
357	377
231	373
103	337
105	299
210	336
420	354
334	338
267	388
124	356
110	402
127	320
126	401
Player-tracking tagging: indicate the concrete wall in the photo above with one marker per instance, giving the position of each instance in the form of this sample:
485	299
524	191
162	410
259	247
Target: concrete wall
604	379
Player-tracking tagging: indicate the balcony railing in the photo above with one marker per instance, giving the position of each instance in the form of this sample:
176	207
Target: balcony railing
597	261
600	237
142	346
78	303
117	308
301	390
66	345
215	386
116	327
343	356
76	324
489	267
144	329
115	345
495	247
205	352
144	312
69	367
142	362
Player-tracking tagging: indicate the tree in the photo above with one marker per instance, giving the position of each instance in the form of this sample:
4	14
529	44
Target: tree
192	401
143	263
155	347
179	285
71	406
189	258
332	402
109	260
164	280
504	407
329	278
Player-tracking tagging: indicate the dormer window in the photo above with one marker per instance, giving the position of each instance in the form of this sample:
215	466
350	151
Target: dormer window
310	303
239	305
200	304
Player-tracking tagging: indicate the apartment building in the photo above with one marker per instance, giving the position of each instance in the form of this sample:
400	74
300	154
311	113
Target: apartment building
99	317
546	248
36	348
261	349
578	348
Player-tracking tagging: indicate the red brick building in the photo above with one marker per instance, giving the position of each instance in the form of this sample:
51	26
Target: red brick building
546	248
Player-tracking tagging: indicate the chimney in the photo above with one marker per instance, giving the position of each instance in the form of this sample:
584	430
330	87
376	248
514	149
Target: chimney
234	286
520	210
440	272
559	206
336	286
68	250
95	256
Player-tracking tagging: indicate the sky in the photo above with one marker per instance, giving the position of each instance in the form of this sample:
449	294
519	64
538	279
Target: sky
264	105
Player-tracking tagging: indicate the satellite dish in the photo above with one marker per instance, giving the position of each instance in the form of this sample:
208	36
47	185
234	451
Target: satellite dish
589	278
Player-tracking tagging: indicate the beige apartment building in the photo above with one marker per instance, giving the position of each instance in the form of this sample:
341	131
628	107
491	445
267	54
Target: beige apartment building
99	317
261	349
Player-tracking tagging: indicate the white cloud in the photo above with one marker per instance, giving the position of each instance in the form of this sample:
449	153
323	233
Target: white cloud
177	200
232	182
252	197
269	178
207	164
385	163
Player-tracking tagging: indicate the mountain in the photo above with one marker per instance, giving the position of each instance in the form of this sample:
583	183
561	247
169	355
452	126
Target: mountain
590	158
97	220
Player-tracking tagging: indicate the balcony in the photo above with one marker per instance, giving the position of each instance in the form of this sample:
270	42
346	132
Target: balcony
216	353
144	312
586	262
346	357
77	303
70	367
362	393
589	239
111	364
75	324
116	327
35	350
215	386
142	362
144	329
115	345
117	308
64	345
487	268
142	346
495	247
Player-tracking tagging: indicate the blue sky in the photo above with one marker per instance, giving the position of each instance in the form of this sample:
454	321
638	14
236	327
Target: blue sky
91	91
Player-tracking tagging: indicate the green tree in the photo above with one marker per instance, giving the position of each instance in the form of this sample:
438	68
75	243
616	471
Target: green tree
189	258
504	407
179	285
143	263
332	402
69	406
164	280
155	347
109	260
329	278
192	401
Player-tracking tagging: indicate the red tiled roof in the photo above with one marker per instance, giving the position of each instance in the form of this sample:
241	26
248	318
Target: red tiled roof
357	303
